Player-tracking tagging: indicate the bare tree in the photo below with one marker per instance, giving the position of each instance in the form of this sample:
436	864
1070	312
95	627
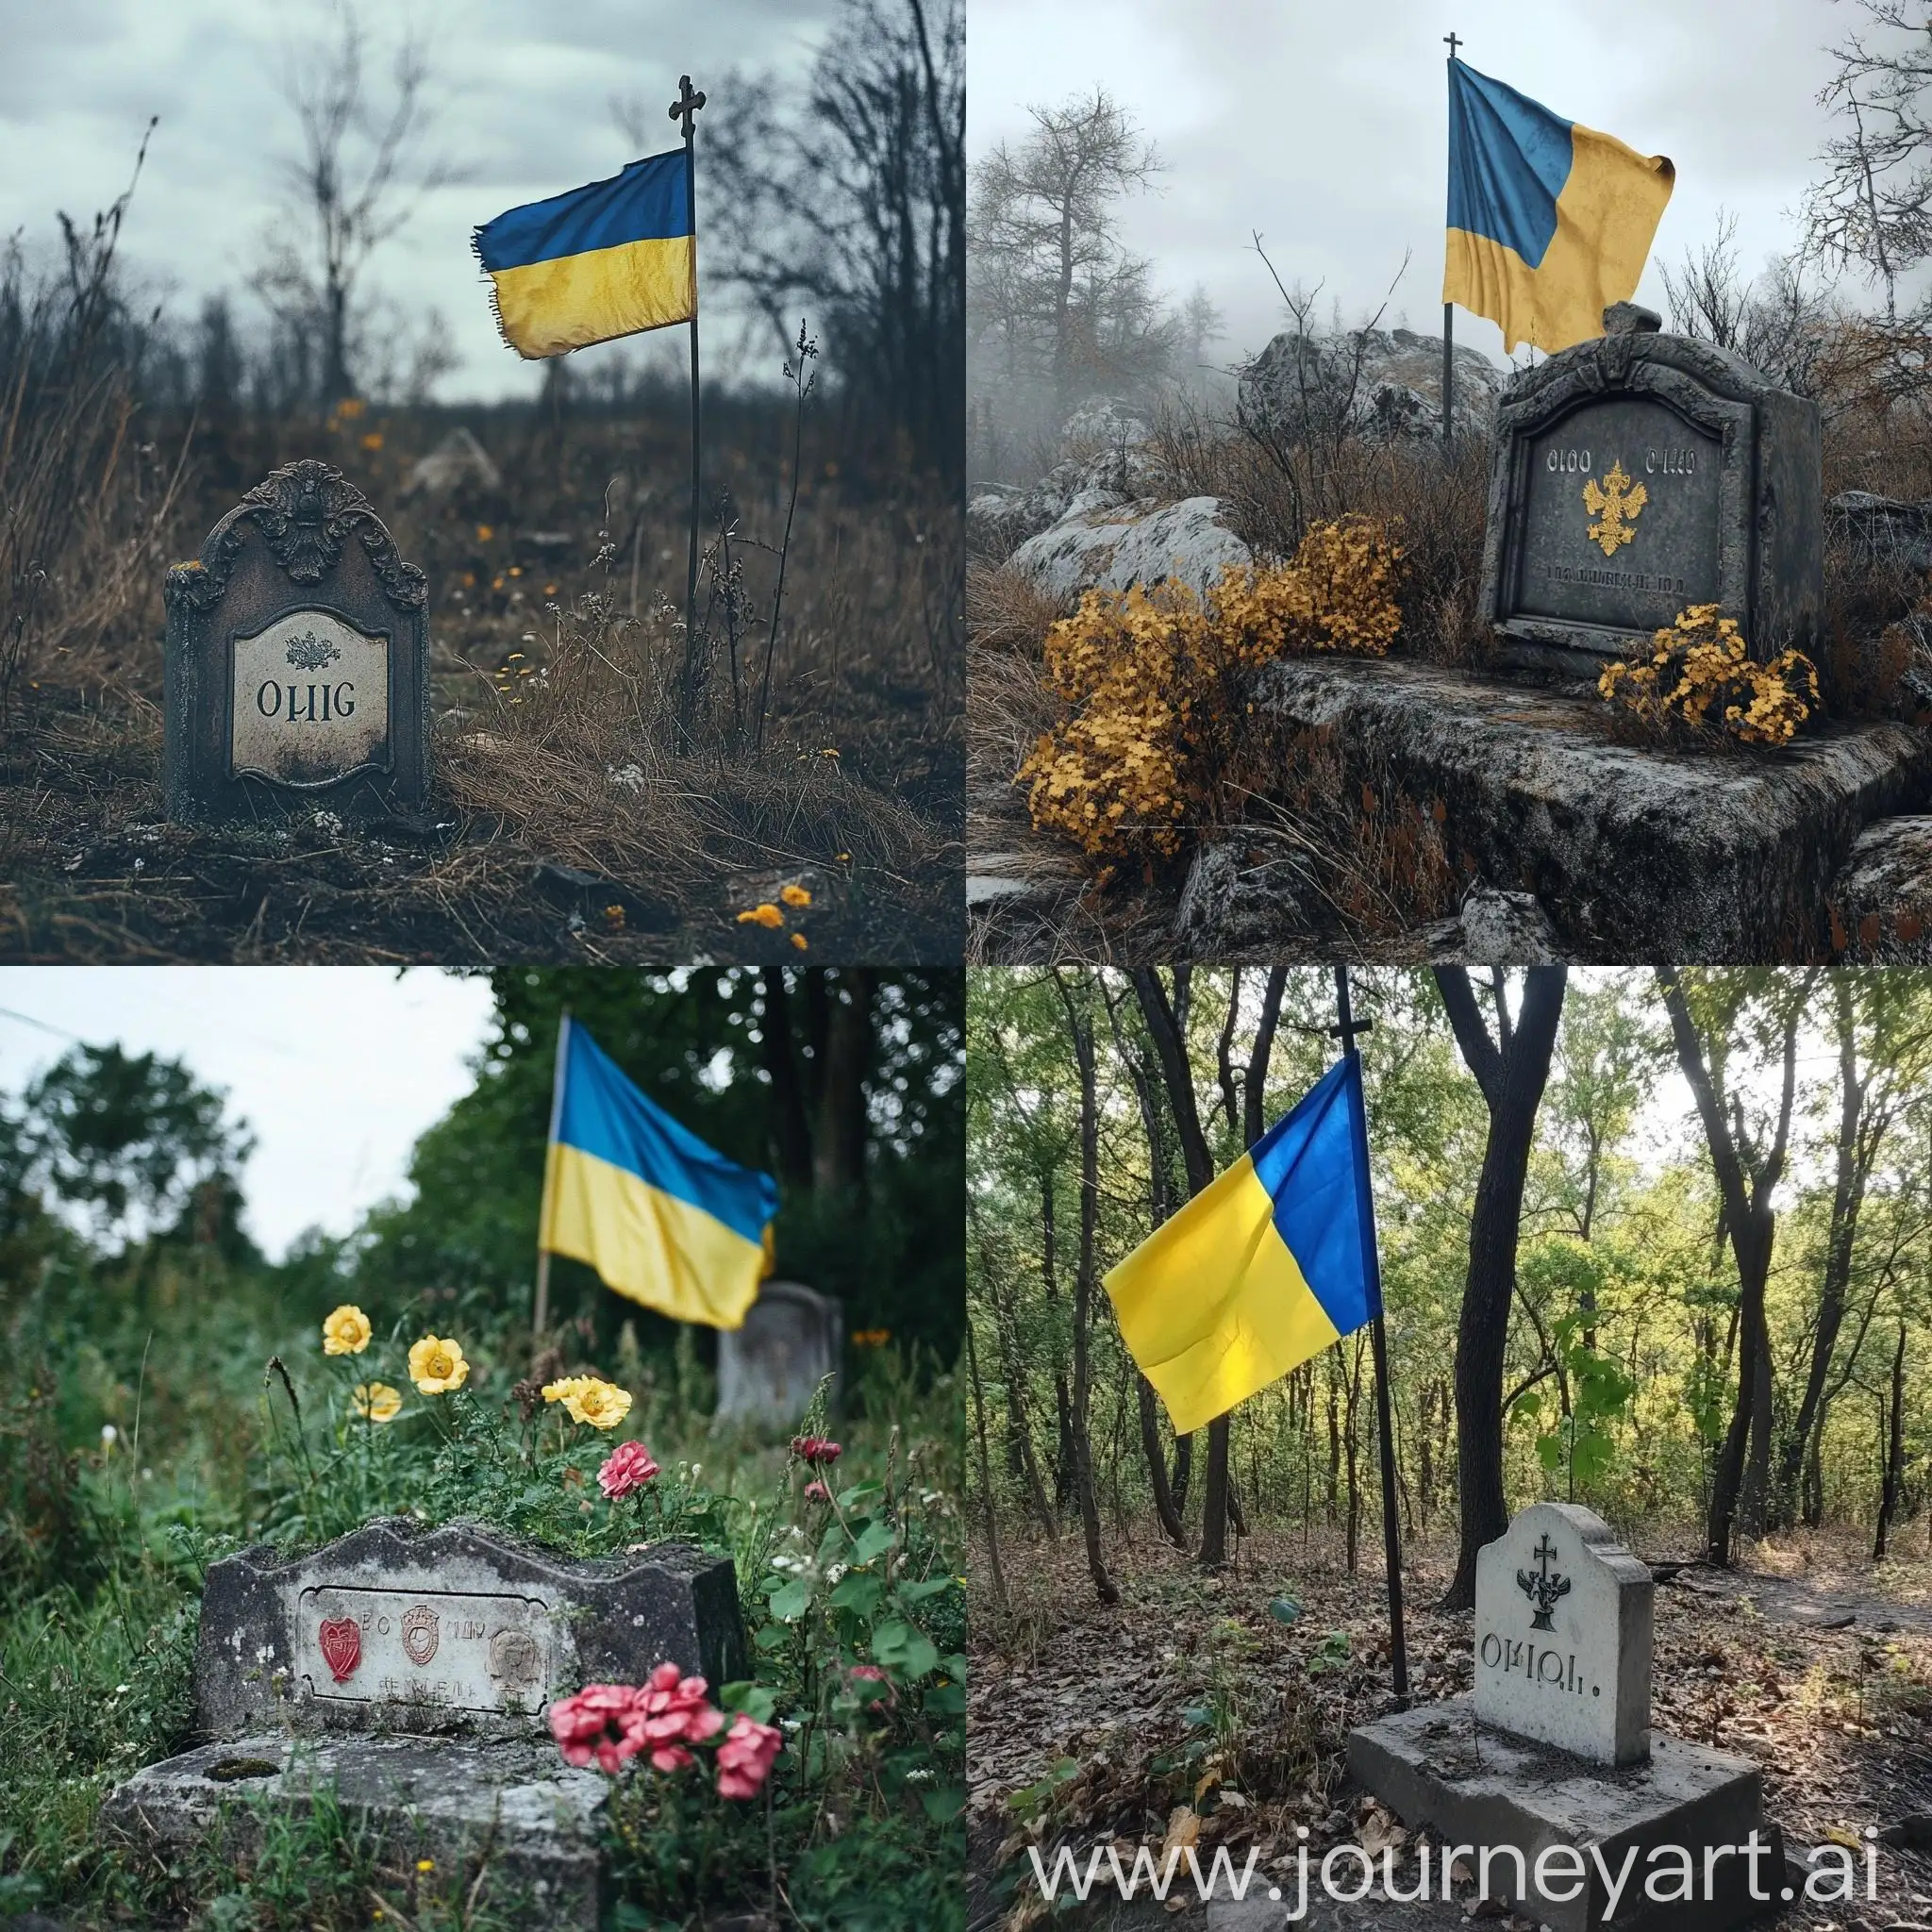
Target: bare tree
1779	324
358	177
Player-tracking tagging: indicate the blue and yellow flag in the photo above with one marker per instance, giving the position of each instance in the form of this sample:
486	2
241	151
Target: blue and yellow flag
663	1219
1264	1268
605	261
1549	222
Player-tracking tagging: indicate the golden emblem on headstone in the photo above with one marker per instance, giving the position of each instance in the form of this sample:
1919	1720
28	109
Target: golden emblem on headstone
420	1634
1614	502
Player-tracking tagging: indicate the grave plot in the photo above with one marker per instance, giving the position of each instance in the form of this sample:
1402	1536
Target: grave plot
1446	726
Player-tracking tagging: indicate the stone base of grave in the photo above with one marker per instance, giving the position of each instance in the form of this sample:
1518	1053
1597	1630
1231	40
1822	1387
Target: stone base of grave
1434	1768
514	1807
1634	852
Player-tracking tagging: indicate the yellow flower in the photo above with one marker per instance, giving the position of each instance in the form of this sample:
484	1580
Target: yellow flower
484	533
796	895
437	1366
603	1405
766	914
346	1331
378	1402
799	939
425	1864
563	1391
373	441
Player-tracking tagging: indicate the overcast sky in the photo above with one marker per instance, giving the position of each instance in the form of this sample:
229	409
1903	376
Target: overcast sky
524	89
1325	127
337	1069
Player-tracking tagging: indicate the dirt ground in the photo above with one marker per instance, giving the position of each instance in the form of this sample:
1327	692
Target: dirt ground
567	822
1088	1722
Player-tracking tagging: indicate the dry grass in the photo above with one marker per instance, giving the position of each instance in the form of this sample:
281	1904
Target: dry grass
572	820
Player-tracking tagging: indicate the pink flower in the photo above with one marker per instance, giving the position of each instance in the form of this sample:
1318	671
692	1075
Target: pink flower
817	1450
599	1722
745	1756
671	1710
629	1468
817	1492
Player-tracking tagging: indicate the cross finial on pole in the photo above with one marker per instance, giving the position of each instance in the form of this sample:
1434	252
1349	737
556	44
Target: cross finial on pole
687	103
1452	42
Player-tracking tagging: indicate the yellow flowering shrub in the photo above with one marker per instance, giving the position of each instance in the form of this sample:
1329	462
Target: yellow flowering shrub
345	1331
1701	679
437	1365
1155	680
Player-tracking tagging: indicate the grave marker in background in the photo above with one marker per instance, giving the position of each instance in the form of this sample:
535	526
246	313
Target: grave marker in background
793	1338
298	661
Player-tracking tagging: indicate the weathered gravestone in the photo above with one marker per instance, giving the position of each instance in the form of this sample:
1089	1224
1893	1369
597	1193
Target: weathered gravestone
792	1340
1636	474
298	661
1552	1763
410	1669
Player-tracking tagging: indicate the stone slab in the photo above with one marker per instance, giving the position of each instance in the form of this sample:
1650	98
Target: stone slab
1563	1635
1881	903
458	1630
1468	1785
1725	857
461	1802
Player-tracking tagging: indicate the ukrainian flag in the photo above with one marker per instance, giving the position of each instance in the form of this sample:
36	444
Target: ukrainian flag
663	1219
605	260
1549	221
1263	1269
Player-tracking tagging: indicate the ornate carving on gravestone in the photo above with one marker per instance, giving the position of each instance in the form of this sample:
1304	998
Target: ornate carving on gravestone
1640	474
297	660
793	1338
396	1627
1564	1636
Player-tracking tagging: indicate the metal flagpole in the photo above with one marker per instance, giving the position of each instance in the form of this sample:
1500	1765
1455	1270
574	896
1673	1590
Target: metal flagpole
1449	329
684	109
1391	1533
543	1320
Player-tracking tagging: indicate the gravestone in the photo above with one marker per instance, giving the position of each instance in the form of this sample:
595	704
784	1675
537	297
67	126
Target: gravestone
1636	474
410	1671
1563	1636
792	1340
1552	1765
298	661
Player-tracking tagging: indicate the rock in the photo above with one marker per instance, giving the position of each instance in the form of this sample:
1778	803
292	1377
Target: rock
1504	929
1000	518
1383	384
1911	1834
456	462
1883	529
1631	319
1249	893
1113	547
1637	852
1881	903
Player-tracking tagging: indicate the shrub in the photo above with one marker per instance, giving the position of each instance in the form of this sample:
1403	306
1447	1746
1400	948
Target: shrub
1157	679
1700	680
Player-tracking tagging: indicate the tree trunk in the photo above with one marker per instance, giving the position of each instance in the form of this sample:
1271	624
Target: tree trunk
1895	1450
838	1140
1183	1472
1081	1027
992	1521
1164	1505
1511	1077
1013	1373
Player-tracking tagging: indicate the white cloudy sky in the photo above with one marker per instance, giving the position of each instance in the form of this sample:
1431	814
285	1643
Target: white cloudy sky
1325	127
338	1069
525	87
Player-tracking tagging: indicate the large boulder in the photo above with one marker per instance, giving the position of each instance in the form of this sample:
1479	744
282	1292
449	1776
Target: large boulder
1114	545
1251	893
1496	929
1001	517
1382	384
1883	529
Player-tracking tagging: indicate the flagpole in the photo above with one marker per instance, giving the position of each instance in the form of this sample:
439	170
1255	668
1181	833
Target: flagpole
1391	1531
1449	327
684	109
543	1320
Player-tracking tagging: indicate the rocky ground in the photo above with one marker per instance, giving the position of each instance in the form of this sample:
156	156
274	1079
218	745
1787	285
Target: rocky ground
1192	1713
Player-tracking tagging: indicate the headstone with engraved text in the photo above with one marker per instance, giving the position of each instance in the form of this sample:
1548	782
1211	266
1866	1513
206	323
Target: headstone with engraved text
1638	473
298	661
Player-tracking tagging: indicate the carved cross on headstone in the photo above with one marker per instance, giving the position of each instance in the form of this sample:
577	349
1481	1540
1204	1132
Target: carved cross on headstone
1543	1589
687	103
